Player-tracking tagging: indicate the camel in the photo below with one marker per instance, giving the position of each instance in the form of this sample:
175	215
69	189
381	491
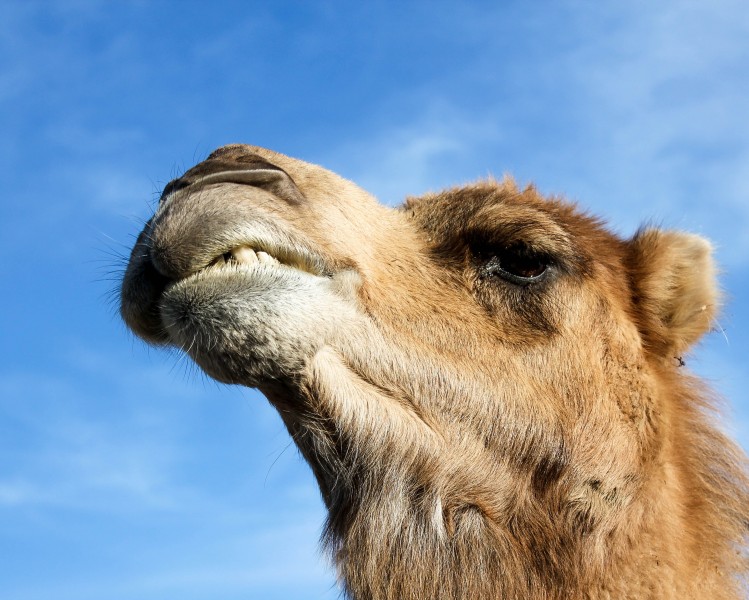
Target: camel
487	384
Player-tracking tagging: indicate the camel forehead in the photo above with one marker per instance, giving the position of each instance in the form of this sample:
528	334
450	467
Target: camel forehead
502	204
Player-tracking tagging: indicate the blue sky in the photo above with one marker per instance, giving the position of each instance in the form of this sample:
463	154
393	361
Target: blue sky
124	472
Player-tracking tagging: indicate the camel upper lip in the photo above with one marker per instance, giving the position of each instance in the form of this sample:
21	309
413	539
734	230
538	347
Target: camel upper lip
221	242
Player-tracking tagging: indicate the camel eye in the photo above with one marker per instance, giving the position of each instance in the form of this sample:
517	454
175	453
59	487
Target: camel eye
517	264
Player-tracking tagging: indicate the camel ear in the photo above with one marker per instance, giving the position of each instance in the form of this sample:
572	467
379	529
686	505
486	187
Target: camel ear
675	288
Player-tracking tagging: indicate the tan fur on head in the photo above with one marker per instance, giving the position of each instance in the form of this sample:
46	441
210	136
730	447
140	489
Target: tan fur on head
478	379
676	292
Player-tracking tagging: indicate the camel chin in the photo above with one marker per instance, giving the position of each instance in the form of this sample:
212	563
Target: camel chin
249	320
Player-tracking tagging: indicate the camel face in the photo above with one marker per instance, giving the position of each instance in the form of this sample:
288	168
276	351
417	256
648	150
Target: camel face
482	370
258	266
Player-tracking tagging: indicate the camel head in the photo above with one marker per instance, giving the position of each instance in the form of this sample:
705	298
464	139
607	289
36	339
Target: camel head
486	383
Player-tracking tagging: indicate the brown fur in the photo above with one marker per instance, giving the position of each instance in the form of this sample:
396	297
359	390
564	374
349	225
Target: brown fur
473	437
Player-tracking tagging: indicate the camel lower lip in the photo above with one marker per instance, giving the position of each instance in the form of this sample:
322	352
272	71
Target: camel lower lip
248	273
229	268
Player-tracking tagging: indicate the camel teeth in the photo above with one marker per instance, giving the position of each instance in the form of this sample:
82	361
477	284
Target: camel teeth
266	258
246	256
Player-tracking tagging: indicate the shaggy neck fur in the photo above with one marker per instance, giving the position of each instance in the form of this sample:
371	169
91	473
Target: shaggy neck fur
404	523
410	517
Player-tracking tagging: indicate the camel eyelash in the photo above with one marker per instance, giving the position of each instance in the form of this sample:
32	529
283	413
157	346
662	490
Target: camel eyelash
517	264
515	261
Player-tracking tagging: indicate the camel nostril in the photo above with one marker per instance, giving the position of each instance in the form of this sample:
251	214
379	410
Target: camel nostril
173	186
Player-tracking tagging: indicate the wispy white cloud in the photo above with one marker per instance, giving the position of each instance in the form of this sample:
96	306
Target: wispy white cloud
412	158
121	441
653	97
65	458
15	493
90	438
111	189
273	562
